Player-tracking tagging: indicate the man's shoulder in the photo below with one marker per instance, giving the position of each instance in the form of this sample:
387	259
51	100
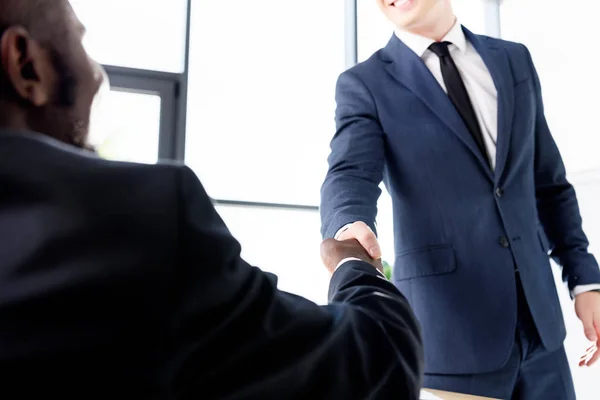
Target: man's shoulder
514	48
367	68
58	166
39	148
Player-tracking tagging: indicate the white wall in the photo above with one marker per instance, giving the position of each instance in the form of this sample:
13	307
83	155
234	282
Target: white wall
560	36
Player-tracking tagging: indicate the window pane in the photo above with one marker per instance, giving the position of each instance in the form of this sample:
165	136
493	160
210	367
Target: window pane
135	33
374	30
261	96
126	126
568	70
284	242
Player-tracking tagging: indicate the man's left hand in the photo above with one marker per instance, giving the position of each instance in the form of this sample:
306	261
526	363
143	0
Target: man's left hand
587	307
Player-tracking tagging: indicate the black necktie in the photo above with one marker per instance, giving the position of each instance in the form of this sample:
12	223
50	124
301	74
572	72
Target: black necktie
458	93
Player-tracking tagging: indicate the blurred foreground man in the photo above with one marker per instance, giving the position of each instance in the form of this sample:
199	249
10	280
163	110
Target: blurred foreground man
454	125
120	281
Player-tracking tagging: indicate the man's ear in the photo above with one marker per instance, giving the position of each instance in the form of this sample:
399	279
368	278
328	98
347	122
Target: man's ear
27	66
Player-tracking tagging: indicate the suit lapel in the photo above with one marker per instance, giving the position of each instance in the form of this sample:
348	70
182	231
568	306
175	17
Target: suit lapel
497	62
408	68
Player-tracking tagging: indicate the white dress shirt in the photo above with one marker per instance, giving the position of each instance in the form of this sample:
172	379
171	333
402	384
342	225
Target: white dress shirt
475	75
480	87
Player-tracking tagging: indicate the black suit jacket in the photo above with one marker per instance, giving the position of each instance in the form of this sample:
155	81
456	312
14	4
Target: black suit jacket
120	280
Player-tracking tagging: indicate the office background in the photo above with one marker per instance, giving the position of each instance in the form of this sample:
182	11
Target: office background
243	91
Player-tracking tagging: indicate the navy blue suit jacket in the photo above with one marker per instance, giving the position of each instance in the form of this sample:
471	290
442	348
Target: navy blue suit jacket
120	280
460	227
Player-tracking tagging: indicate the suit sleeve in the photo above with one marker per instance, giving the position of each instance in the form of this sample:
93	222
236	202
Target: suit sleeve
356	161
557	204
238	336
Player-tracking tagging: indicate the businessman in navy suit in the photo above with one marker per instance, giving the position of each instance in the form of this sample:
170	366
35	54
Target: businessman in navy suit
453	123
121	281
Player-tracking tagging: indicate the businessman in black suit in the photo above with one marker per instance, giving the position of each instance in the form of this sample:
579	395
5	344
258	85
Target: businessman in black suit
120	280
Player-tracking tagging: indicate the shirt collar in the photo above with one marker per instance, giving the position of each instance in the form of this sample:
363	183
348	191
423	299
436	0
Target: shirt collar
420	44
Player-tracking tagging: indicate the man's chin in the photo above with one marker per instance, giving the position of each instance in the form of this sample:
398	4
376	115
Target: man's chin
407	23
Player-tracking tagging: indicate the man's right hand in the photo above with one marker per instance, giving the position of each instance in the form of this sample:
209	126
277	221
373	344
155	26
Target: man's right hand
365	236
334	251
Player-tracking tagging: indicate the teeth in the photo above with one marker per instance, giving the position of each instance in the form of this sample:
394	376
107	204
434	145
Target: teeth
400	3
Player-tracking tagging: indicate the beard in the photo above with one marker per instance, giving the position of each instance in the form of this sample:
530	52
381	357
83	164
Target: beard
65	117
66	90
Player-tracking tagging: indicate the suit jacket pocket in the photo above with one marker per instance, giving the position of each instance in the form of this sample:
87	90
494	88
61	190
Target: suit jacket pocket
429	261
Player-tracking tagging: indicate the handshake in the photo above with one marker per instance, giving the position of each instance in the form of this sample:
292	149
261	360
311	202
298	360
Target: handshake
358	242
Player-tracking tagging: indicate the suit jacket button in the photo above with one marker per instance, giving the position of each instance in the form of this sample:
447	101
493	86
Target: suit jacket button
499	192
504	242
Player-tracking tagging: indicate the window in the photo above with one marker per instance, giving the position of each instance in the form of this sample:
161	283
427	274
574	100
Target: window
284	242
135	33
134	116
126	126
143	50
374	30
261	97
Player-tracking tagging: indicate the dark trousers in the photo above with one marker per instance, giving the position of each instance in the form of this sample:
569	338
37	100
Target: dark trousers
531	372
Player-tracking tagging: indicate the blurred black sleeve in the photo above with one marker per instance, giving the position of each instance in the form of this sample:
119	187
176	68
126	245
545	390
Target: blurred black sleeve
238	337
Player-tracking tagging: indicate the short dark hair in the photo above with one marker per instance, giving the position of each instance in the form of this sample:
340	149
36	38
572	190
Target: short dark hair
42	19
39	17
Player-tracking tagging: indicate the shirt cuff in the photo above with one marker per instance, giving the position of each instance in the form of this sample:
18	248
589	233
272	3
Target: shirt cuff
577	290
342	230
345	260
